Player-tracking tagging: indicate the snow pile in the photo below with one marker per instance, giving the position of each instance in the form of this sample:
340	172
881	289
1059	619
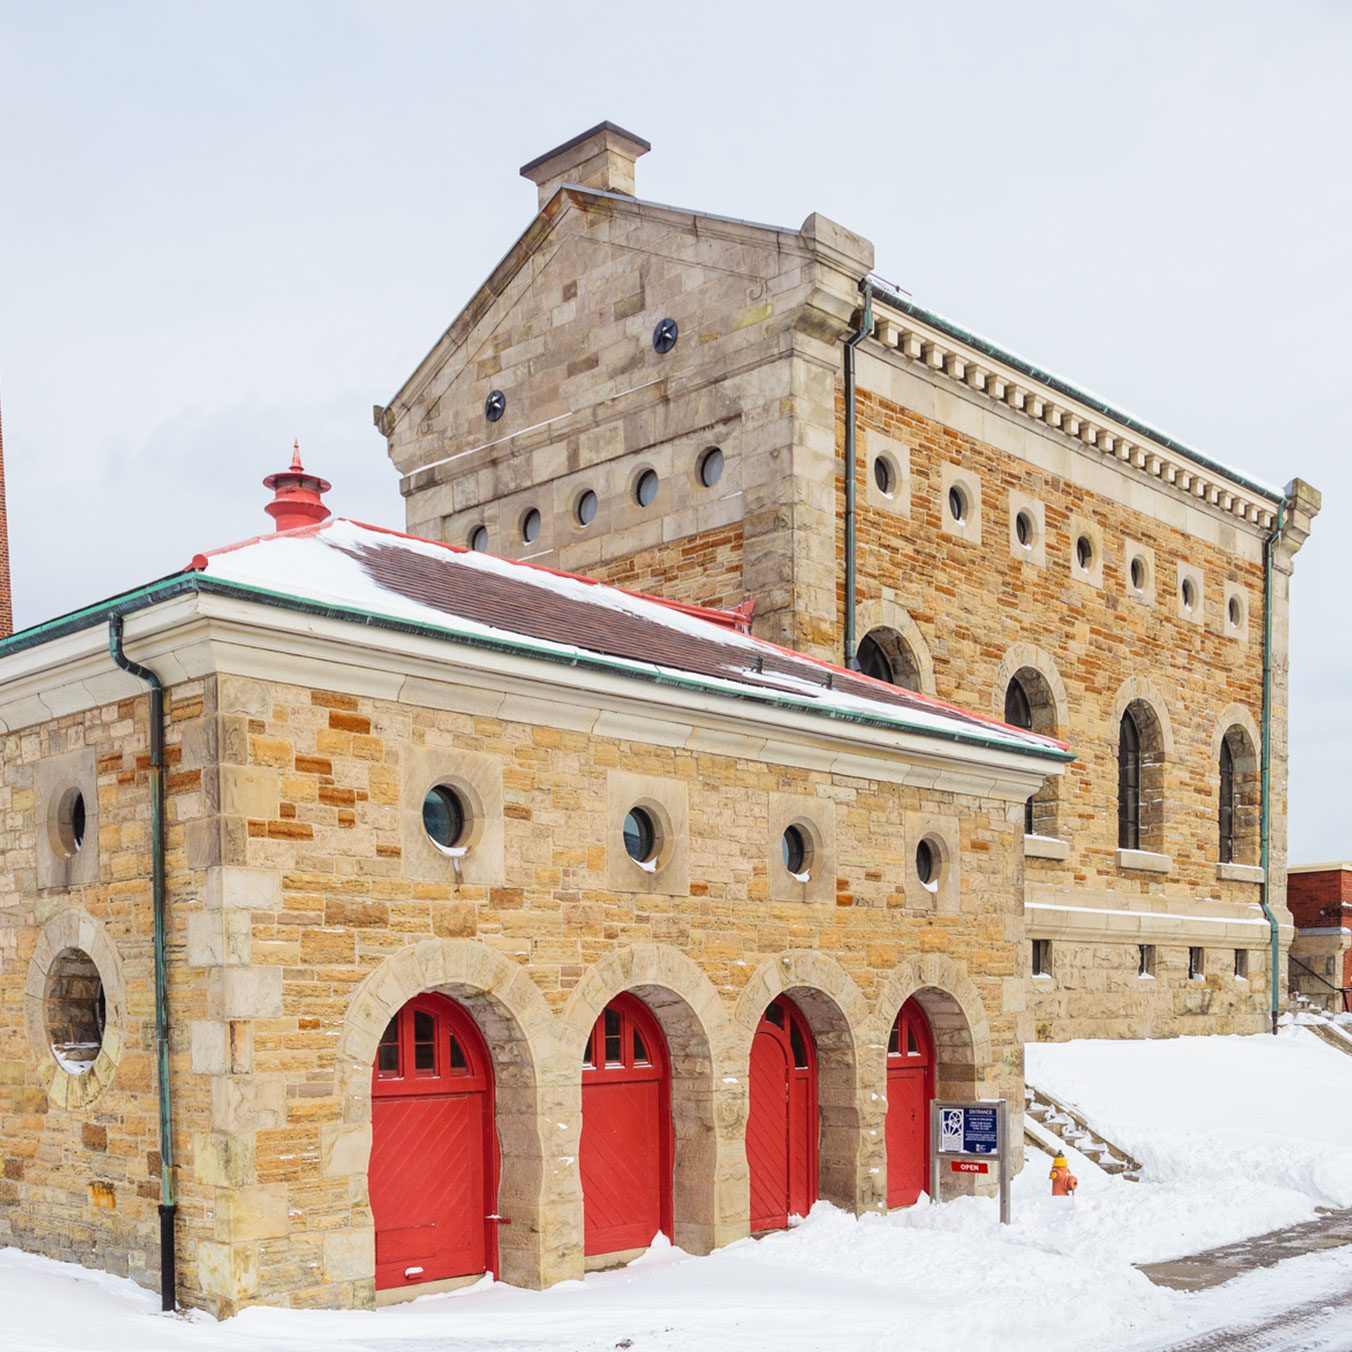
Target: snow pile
1238	1135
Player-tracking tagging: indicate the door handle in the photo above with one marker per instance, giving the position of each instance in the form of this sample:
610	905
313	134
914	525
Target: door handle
412	1272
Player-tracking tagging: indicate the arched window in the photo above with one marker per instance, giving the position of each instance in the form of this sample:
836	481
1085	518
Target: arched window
1129	785
1019	714
886	656
1227	805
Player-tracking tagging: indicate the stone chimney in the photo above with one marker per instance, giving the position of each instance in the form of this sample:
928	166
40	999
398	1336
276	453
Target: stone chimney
296	496
6	598
602	157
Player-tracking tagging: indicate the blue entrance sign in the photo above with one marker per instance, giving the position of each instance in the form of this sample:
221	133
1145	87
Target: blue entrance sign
969	1131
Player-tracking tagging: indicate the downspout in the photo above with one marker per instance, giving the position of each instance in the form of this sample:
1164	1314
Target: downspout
1269	551
168	1204
851	473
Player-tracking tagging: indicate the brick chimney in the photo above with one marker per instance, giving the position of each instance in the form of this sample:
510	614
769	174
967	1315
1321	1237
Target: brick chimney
296	496
602	157
6	598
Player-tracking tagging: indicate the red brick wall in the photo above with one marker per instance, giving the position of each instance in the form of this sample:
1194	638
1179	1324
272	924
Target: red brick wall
1317	899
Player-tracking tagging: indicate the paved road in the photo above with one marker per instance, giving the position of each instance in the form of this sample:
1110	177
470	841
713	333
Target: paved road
1317	1326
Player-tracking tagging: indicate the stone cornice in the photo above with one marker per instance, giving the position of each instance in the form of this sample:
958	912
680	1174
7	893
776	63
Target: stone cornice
942	354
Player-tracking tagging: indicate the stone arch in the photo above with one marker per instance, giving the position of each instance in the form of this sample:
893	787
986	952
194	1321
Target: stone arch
1137	690
1051	703
708	1081
889	623
1236	729
531	1083
75	929
836	1011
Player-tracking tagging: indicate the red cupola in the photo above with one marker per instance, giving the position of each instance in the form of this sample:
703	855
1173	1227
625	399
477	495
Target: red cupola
297	500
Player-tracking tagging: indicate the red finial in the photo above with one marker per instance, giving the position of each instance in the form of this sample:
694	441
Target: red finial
296	500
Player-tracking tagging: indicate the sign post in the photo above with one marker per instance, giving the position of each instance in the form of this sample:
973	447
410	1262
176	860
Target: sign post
968	1136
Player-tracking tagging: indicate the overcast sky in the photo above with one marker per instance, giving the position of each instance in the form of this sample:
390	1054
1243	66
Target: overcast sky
223	227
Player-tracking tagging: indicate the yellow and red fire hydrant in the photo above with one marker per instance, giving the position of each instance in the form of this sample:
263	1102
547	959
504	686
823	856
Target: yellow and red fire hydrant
1064	1182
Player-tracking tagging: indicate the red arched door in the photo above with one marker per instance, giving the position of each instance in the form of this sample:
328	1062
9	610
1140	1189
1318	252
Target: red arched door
626	1150
910	1090
433	1173
781	1123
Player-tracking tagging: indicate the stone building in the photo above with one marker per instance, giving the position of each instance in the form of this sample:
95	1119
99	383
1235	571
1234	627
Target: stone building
1320	900
665	399
507	919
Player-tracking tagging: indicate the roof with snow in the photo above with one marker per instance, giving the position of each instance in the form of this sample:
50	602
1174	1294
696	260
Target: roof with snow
482	600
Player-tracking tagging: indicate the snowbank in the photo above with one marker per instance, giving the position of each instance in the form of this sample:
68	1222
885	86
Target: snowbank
1237	1135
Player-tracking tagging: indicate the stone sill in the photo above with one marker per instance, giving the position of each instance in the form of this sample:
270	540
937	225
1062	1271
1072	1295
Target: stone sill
1045	847
1239	873
1144	860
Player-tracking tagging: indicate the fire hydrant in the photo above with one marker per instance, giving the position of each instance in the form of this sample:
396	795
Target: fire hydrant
1064	1182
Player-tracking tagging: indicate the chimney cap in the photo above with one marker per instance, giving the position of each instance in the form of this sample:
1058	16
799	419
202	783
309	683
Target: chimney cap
297	494
643	146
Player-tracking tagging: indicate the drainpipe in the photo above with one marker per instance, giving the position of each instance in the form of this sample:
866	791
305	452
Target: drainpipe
851	473
168	1285
1269	552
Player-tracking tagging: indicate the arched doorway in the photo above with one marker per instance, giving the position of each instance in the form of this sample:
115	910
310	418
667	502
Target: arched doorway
910	1090
781	1123
626	1150
433	1174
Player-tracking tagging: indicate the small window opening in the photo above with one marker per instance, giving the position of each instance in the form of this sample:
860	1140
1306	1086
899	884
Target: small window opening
478	539
1227	805
894	1041
795	850
1023	529
711	466
645	490
458	1062
1189	594
797	1046
1236	612
424	1043
957	504
1042	957
614	1042
640	1051
586	508
912	1047
530	526
774	1013
1084	552
1196	964
444	816
71	822
1242	963
882	475
640	836
1128	784
926	867
1138	573
873	661
1145	961
1019	714
387	1053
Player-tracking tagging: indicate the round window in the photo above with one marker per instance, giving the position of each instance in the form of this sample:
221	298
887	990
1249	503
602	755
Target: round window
1023	529
76	1010
927	865
1138	573
70	823
882	475
444	817
1189	594
530	526
1084	552
586	508
478	539
797	851
957	504
1236	612
711	466
640	836
645	489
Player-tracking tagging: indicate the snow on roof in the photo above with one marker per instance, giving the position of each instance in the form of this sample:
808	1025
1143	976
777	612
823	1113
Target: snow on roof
477	596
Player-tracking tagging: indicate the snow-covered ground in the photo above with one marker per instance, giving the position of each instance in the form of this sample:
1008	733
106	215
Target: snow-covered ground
1238	1136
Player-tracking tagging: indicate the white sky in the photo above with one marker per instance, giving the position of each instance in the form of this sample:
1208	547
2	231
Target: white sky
226	226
